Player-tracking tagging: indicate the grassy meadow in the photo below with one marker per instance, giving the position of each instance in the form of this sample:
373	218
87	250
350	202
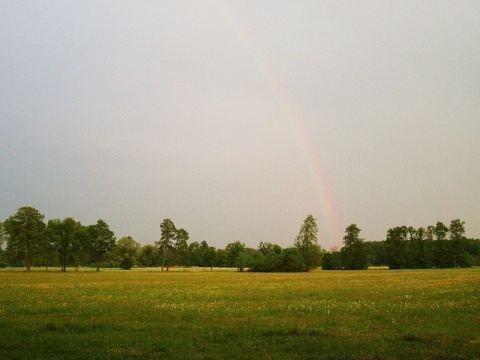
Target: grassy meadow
198	314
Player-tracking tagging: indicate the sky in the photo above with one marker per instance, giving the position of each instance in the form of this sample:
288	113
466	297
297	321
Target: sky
237	119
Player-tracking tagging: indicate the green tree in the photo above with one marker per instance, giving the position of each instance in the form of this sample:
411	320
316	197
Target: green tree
236	255
80	244
195	254
354	251
25	233
429	247
290	260
396	247
472	247
49	249
443	252
65	234
149	256
457	238
221	258
168	234
180	247
241	261
332	261
377	252
2	236
209	257
102	241
306	243
127	251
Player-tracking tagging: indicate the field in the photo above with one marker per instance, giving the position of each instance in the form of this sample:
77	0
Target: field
196	314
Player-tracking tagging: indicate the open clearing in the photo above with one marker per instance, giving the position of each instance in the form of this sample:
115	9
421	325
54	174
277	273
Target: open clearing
195	314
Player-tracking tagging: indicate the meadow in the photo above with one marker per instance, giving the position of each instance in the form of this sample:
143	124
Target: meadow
198	314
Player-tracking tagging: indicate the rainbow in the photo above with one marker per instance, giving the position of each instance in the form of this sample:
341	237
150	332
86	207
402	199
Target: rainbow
323	189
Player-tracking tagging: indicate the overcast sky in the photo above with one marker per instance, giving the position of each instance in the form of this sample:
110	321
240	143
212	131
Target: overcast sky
238	119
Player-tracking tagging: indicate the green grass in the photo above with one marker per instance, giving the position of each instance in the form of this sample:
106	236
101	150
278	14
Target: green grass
142	314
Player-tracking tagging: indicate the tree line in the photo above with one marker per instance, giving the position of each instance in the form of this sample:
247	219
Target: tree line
406	247
32	242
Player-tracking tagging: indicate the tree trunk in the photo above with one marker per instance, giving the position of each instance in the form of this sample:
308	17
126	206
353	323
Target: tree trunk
98	263
164	257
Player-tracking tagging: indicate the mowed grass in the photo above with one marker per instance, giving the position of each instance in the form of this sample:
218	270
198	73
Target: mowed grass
146	314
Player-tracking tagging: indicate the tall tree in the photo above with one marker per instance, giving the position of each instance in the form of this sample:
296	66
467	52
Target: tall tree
127	251
180	247
102	240
195	254
26	233
49	249
354	251
65	233
168	234
429	247
443	252
306	243
209	257
396	247
457	238
81	244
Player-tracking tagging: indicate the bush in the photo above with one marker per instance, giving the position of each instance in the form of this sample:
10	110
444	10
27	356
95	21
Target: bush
126	264
332	261
3	265
106	265
289	260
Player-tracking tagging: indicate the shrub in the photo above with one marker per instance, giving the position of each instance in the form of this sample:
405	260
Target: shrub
126	264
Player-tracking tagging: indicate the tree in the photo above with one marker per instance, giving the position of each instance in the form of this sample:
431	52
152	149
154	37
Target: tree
377	252
64	233
80	244
472	247
195	254
355	251
443	253
306	243
149	256
241	261
210	256
457	238
102	240
236	255
396	247
429	247
441	231
2	236
221	258
168	233
332	261
180	247
286	260
49	249
290	260
127	251
25	233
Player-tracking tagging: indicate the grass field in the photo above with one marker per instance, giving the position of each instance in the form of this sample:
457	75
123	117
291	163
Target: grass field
192	314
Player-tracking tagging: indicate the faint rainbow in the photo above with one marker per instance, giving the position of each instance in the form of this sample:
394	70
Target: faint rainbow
307	145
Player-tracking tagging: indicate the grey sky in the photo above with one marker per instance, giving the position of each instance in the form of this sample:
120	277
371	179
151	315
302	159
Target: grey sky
237	119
